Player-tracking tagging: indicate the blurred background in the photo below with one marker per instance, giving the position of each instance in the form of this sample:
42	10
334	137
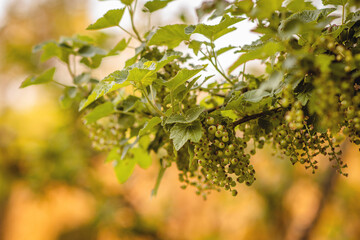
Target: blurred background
54	186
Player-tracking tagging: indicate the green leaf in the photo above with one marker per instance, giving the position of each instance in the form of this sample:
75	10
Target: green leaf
141	76
262	52
82	78
127	2
142	157
124	168
50	49
307	16
265	8
214	32
181	77
45	77
120	46
334	2
149	126
299	5
152	6
100	111
195	46
167	58
190	115
111	83
224	50
91	51
67	98
180	133
113	155
169	35
110	19
255	95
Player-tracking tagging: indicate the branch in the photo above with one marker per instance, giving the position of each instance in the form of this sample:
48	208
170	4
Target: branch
255	116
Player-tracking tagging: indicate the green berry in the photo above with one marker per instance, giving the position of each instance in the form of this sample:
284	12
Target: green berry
225	138
212	129
210	120
234	193
218	134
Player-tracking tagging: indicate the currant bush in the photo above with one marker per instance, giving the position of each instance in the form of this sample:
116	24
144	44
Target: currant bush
165	101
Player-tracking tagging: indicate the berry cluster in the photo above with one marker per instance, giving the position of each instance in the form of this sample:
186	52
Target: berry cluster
221	158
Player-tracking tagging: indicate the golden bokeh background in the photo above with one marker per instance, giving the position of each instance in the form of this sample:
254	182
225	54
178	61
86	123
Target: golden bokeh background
54	186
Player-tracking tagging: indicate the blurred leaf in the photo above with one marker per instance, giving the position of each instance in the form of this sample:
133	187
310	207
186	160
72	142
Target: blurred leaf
127	2
155	5
195	46
91	51
100	111
120	46
142	157
110	19
243	7
45	77
111	83
169	35
180	133
124	168
262	52
224	50
82	78
190	115
181	77
214	32
299	5
334	2
149	126
265	8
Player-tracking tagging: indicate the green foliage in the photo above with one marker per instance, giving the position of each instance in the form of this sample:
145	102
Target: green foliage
45	77
169	35
110	19
305	104
180	133
155	5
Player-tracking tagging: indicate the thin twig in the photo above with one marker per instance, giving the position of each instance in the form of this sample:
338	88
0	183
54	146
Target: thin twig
255	116
217	69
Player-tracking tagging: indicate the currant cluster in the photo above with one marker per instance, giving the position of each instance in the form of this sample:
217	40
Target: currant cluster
221	158
105	135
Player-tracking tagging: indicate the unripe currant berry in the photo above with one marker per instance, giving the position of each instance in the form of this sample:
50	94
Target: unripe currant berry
225	138
207	155
212	129
331	45
234	193
220	127
231	147
227	152
236	153
218	134
222	145
210	120
234	161
219	153
225	161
